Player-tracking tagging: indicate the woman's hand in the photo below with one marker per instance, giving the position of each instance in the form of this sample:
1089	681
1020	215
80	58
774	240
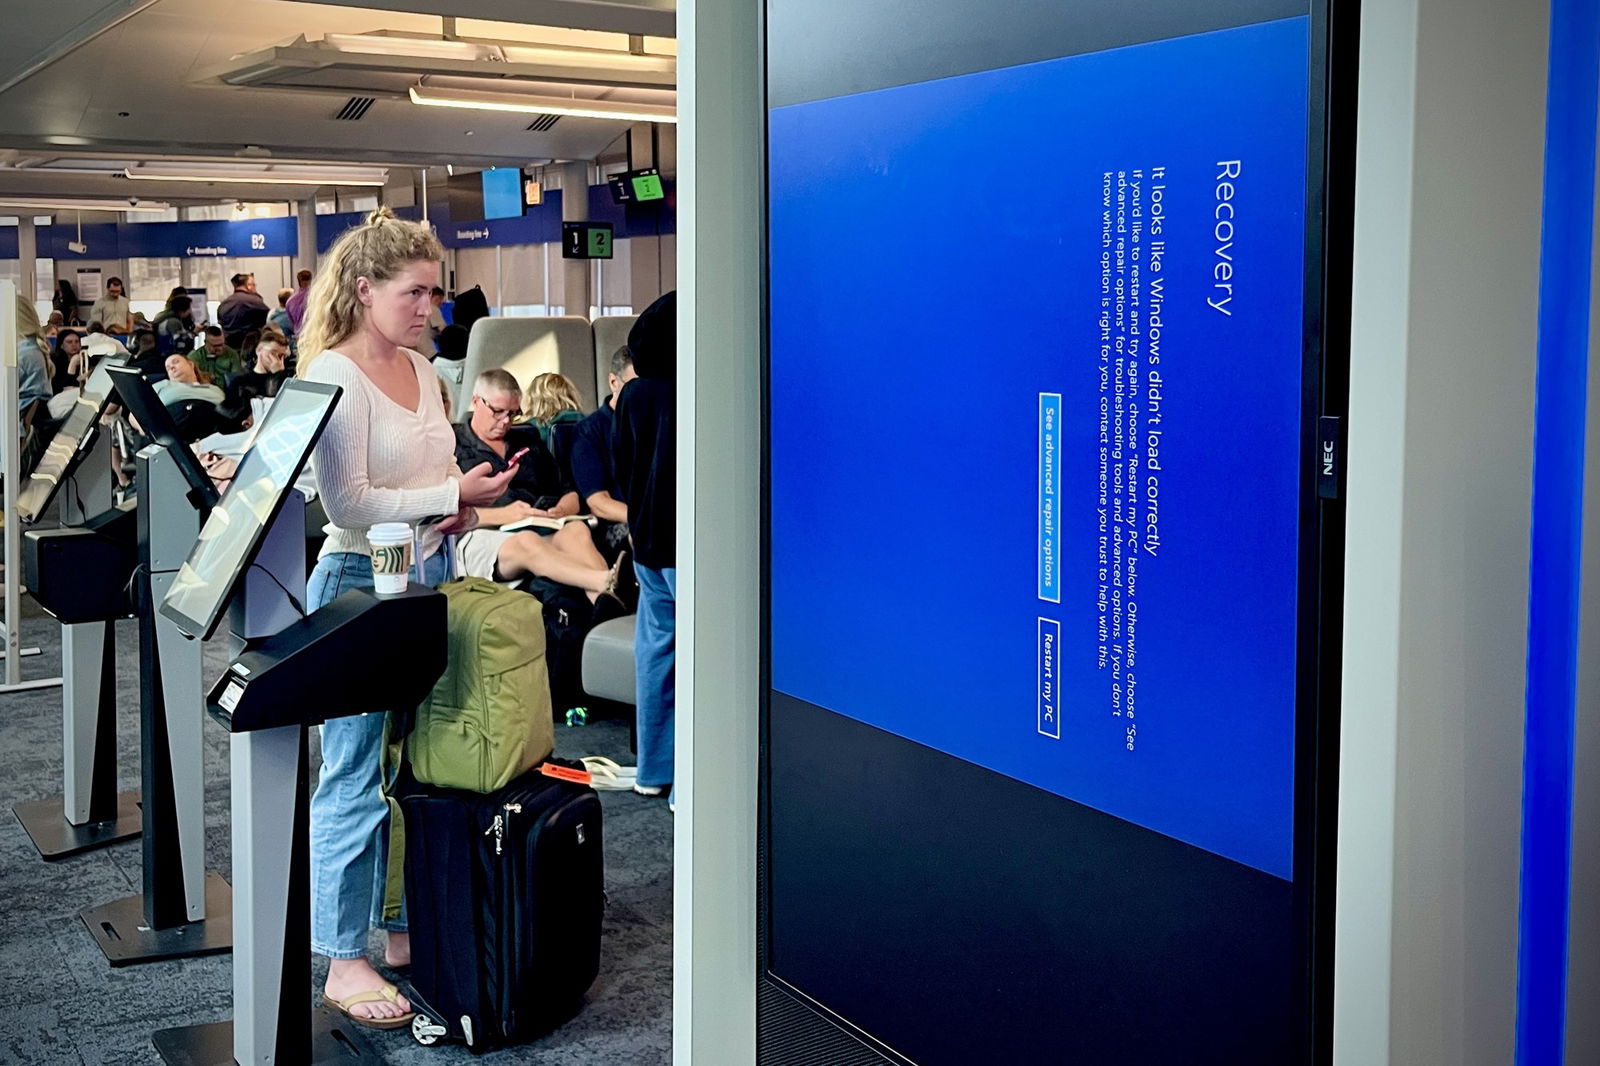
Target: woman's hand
462	521
479	487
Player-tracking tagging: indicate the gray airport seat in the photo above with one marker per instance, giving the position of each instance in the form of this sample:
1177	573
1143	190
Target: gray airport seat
610	333
608	660
528	347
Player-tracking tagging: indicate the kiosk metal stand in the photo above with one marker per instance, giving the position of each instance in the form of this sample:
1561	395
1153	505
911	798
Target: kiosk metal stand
358	654
90	812
183	910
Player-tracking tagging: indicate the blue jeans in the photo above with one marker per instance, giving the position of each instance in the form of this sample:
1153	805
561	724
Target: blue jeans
349	816
654	657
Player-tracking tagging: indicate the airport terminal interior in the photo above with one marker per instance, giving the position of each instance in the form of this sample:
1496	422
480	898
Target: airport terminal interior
799	533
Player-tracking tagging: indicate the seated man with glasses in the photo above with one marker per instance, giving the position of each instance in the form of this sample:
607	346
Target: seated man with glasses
566	555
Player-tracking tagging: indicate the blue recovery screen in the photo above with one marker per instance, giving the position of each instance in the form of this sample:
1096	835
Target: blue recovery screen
502	193
1036	422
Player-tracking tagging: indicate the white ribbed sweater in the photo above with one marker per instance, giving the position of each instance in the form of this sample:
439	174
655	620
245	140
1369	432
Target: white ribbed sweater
377	461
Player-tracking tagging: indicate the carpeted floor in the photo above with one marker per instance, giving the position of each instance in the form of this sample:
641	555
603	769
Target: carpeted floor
61	1004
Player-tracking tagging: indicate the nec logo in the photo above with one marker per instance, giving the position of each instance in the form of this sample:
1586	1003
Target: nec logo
1329	437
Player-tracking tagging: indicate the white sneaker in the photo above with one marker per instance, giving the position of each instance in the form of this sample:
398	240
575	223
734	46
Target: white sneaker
650	790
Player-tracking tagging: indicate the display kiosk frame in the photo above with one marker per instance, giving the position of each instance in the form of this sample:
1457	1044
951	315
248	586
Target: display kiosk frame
182	910
90	812
794	1024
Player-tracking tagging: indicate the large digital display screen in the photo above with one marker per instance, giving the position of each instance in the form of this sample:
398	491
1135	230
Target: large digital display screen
1038	490
502	193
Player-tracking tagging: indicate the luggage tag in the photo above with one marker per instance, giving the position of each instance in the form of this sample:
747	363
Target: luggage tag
566	773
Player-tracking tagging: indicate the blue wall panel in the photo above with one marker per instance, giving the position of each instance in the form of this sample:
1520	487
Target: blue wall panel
1565	264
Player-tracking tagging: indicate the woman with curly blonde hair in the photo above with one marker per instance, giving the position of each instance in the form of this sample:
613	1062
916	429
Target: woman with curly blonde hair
387	455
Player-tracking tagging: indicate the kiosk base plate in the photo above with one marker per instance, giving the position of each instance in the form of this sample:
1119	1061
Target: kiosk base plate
56	838
334	1039
120	931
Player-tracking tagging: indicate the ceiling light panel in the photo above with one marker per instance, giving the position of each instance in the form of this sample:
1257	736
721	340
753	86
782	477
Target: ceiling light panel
29	203
482	100
259	175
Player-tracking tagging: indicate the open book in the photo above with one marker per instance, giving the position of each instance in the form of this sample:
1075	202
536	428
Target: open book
541	522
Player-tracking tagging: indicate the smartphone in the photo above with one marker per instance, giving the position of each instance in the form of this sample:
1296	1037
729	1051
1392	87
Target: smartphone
517	458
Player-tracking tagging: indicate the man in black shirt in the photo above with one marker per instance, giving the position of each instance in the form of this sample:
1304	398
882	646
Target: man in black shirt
594	473
566	555
270	372
645	452
243	311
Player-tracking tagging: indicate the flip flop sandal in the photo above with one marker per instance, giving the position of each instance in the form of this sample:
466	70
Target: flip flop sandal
607	775
386	994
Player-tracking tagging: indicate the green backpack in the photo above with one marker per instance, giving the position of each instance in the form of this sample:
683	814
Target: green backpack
488	718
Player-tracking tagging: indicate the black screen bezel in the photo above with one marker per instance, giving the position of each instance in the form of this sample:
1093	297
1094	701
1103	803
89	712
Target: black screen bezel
139	397
1328	238
204	628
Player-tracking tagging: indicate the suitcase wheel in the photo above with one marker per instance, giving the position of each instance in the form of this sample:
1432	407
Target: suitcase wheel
426	1031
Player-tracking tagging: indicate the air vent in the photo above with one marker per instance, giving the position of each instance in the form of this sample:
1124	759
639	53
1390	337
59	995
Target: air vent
355	108
543	122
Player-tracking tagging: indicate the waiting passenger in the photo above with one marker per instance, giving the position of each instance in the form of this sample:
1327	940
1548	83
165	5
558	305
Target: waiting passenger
646	458
297	301
218	361
183	383
566	556
270	371
242	311
67	362
65	300
436	323
554	407
594	473
112	310
247	349
33	369
279	319
175	324
450	363
387	455
146	355
33	386
54	325
96	341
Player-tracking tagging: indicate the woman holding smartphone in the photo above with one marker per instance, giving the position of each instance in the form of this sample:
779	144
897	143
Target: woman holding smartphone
387	455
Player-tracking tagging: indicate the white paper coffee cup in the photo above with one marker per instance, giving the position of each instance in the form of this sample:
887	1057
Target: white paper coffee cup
391	557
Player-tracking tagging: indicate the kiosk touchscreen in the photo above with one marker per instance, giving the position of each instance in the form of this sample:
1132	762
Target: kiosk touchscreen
137	395
231	536
66	450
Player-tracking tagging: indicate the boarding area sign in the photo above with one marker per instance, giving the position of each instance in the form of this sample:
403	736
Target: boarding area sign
1052	474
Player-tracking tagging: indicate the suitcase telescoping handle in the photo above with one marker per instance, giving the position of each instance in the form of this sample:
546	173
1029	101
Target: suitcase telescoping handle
449	549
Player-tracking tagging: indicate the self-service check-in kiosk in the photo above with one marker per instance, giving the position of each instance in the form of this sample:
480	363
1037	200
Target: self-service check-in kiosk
80	574
359	654
182	911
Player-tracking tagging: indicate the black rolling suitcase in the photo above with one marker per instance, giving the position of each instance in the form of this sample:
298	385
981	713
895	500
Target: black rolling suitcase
504	897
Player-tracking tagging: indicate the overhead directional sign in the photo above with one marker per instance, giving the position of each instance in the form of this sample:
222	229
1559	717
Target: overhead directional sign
243	239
